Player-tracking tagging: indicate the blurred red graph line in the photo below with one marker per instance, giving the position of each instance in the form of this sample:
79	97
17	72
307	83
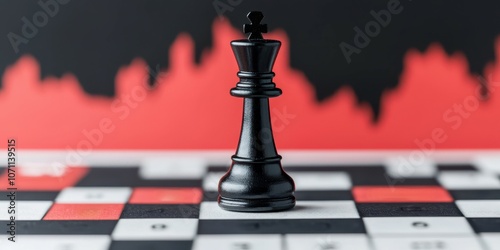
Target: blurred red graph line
190	107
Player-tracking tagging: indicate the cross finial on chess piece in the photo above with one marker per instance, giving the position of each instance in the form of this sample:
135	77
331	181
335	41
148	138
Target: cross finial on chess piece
255	28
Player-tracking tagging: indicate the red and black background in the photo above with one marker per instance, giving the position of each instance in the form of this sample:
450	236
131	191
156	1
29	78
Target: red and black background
156	74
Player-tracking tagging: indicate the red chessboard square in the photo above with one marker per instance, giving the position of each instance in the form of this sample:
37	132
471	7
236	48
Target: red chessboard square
401	194
84	212
32	179
166	196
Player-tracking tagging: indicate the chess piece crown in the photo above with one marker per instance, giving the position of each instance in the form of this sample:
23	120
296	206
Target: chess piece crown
255	57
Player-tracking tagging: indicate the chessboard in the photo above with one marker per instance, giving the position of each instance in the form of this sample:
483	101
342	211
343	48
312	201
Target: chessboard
362	200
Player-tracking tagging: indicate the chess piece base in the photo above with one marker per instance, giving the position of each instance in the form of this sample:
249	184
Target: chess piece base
260	205
256	187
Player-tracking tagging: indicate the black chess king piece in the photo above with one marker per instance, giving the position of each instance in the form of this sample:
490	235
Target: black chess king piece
256	182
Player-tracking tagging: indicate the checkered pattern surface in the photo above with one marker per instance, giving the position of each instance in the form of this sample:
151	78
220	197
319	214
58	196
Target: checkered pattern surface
169	205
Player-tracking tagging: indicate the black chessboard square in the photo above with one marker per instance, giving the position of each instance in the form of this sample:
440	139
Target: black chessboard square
210	195
160	211
359	174
309	195
31	195
456	167
128	177
286	226
218	168
62	227
323	195
390	181
483	194
407	209
110	177
485	225
367	175
151	245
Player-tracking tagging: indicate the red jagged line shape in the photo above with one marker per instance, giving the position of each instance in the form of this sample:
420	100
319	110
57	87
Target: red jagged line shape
191	107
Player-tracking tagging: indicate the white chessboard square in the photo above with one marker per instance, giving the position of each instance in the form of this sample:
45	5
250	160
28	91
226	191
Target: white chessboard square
468	180
488	164
479	208
305	181
238	242
173	168
211	181
303	210
24	210
37	169
155	229
491	240
327	241
407	167
462	242
57	242
94	195
417	226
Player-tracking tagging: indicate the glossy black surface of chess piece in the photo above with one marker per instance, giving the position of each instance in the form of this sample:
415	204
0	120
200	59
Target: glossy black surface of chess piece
256	181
